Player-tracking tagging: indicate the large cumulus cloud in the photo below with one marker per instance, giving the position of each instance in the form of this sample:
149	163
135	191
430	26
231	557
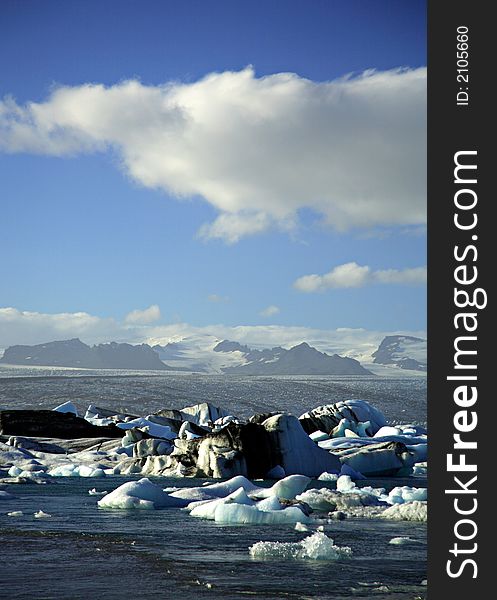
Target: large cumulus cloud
257	149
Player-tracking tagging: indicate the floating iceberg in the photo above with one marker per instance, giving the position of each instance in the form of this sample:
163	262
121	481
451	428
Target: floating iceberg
207	510
317	546
242	514
139	494
74	470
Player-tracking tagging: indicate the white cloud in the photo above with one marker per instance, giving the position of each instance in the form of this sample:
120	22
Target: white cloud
27	327
143	317
352	275
23	327
270	311
257	149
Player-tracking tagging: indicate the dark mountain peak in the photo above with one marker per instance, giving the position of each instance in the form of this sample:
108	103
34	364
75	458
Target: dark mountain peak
74	353
404	351
228	346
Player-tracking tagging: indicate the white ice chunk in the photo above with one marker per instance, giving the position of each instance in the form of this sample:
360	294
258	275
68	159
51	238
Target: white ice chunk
94	492
15	513
239	513
67	407
319	436
41	515
402	541
387	431
399	495
328	477
207	510
139	494
286	488
345	484
409	511
216	490
153	429
317	546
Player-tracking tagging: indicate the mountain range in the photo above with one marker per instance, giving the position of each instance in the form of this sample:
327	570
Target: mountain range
208	354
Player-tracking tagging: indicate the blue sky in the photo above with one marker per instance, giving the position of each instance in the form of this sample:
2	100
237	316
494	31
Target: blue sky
84	230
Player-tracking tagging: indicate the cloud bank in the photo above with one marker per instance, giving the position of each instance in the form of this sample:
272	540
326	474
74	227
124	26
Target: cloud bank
143	317
352	275
257	149
24	327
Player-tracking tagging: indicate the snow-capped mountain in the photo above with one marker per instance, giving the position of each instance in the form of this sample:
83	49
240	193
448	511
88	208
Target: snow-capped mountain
403	351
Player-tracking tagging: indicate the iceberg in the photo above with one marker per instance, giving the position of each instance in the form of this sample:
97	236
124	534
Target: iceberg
207	510
216	490
242	514
141	494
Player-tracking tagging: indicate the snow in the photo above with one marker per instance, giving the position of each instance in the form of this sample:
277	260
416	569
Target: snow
317	546
142	494
67	407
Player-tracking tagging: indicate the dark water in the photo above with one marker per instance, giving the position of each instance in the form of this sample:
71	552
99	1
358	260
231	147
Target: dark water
401	399
86	552
83	552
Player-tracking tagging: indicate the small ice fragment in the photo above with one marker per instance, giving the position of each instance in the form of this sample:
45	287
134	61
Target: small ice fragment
15	513
94	492
328	477
400	541
41	515
345	483
301	526
317	546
